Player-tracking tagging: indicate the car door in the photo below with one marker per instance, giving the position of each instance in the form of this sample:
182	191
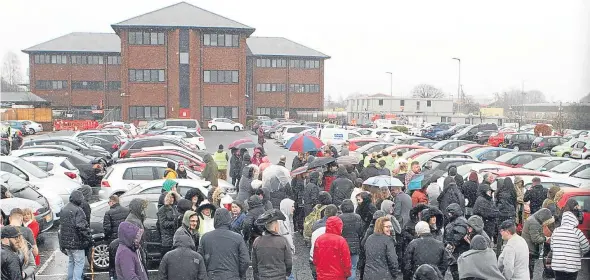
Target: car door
137	146
552	164
227	125
522	160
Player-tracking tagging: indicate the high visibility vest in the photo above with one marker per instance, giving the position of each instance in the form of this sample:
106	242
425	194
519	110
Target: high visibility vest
221	160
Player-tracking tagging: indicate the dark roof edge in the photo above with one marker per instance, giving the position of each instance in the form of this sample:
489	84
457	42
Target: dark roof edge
285	55
94	52
115	27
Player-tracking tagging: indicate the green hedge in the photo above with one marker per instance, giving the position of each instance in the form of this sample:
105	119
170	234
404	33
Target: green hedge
401	129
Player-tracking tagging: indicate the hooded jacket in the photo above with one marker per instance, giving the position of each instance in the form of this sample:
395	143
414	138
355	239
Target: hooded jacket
183	262
182	206
86	192
425	250
246	159
342	187
370	171
128	262
137	208
470	189
167	225
452	171
506	200
74	229
310	193
366	210
185	230
449	195
277	191
456	230
245	185
479	262
271	257
235	166
192	192
255	208
476	223
112	218
408	230
427	272
331	255
380	258
435	229
210	173
536	195
352	229
285	227
225	253
487	210
402	205
568	244
532	231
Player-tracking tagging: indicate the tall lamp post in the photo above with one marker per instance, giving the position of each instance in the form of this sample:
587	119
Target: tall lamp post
459	95
390	83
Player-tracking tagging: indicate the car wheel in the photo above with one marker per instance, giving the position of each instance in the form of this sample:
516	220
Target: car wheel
100	257
566	155
31	131
546	152
516	148
214	128
237	128
587	157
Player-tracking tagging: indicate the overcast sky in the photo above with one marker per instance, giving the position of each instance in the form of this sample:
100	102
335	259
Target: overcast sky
502	43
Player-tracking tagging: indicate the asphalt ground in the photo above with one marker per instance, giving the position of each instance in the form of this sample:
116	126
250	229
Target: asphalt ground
54	264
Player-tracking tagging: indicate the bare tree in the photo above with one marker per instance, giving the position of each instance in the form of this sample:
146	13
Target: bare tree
470	106
427	91
517	97
585	99
11	72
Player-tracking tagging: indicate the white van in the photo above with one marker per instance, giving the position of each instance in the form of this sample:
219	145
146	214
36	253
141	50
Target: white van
383	123
337	135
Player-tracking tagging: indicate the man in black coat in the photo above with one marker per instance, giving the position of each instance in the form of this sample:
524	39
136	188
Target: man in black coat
249	229
235	166
311	192
425	250
74	234
86	192
342	187
486	209
449	195
454	235
371	170
113	217
536	195
452	171
183	262
352	231
298	161
11	267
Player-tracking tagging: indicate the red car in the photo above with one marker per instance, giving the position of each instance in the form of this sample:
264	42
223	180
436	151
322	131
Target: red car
515	159
511	172
404	148
498	138
191	162
583	198
356	143
416	153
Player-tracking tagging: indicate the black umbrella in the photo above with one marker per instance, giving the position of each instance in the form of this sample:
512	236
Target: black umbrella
431	176
317	162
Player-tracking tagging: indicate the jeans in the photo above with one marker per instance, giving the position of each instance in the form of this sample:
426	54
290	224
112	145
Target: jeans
313	271
76	260
560	275
354	259
532	259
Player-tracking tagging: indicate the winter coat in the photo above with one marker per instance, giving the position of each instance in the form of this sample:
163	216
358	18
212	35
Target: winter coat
366	210
225	253
506	202
246	160
408	230
74	229
183	262
449	195
479	262
235	166
470	192
476	223
182	206
210	173
206	223
184	229
181	174
190	194
271	257
86	192
456	230
11	265
486	209
255	209
532	231
425	250
514	259
245	185
453	174
170	173
285	227
370	171
297	162
428	272
435	229
167	224
419	196
433	192
352	229
342	187
137	208
297	187
237	221
331	255
310	193
380	258
128	263
112	218
536	195
568	244
402	205
275	196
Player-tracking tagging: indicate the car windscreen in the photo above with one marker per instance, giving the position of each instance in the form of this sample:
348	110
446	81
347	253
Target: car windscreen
505	157
584	174
187	124
536	164
31	168
566	167
538	140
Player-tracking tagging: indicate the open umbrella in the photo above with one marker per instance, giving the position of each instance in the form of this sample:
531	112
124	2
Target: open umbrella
416	182
347	160
299	170
383	181
238	142
431	176
304	143
317	162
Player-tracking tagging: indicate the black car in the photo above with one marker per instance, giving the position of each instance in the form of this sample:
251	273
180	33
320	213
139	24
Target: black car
409	140
468	133
519	141
73	143
544	144
136	145
482	137
92	169
449	145
103	141
446	134
21	188
442	165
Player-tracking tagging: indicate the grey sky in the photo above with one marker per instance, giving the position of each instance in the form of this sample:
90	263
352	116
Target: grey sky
544	43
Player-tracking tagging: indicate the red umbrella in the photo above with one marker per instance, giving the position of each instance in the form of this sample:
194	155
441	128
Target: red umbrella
238	142
304	143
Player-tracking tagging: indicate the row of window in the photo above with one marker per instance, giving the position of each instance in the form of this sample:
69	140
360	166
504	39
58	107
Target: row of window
51	84
271	88
282	63
301	88
76	59
114	59
147	75
271	112
50	59
221	76
274	63
87	59
85	85
146	38
147	112
221	40
304	63
210	112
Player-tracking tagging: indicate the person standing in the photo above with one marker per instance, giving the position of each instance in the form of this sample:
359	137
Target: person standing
74	235
532	232
487	210
420	196
210	173
479	262
272	255
414	170
298	161
402	205
238	215
352	231
450	194
189	227
536	195
28	245
128	262
331	255
170	172
206	213
424	250
311	192
11	265
345	151
30	222
249	230
454	235
221	159
226	255
513	261
235	166
285	226
260	134
370	171
183	262
470	192
113	218
342	187
181	171
167	215
365	209
380	257
568	244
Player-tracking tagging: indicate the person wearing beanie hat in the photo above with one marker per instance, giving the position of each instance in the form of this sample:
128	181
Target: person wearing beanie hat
181	171
221	158
428	272
424	250
479	262
168	186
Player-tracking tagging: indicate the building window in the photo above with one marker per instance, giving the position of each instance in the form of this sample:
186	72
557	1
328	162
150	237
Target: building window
114	85
380	102
273	112
221	112
302	88
402	102
146	38
87	59
445	119
114	59
272	63
417	105
48	85
147	75
304	64
183	57
147	112
428	103
271	87
87	85
221	40
220	76
50	59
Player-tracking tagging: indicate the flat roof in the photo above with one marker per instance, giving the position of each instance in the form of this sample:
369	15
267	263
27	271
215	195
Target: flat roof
21	97
279	46
80	42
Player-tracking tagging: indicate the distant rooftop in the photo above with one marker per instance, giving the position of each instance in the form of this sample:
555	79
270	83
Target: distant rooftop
279	46
21	97
80	42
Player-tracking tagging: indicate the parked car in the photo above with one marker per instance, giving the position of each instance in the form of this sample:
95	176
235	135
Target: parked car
449	145
31	126
565	149
58	166
385	123
482	137
270	133
469	132
123	133
31	151
582	196
516	159
544	144
443	164
289	131
581	178
496	139
544	163
190	135
567	168
579	134
467	148
136	145
446	134
198	154
412	154
519	141
581	150
19	188
112	138
73	143
391	136
93	140
41	213
91	169
427	157
356	143
426	143
188	123
489	153
191	162
376	147
408	140
16	125
128	126
392	150
431	132
224	124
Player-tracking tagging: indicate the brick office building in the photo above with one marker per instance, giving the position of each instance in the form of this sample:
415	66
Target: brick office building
178	61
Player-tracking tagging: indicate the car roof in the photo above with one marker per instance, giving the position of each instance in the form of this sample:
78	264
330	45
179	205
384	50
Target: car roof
187	182
360	139
518	172
128	164
457	159
52	159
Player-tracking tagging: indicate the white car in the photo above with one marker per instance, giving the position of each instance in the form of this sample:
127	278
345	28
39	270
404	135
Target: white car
384	123
130	126
184	185
188	134
391	136
54	200
58	166
289	131
34	175
31	151
32	127
581	150
568	168
121	177
224	124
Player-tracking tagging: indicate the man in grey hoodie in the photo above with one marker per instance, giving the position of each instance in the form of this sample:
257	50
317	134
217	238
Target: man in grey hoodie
479	262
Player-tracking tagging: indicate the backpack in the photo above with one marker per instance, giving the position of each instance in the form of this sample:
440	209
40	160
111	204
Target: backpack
314	216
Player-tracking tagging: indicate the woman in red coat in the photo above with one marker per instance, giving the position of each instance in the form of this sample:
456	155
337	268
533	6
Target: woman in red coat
331	255
30	222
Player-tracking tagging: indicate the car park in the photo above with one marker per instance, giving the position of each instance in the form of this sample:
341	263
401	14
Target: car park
482	137
544	144
544	163
496	139
58	166
516	159
565	149
32	127
567	168
467	148
73	143
489	153
91	169
468	133
188	134
136	145
449	145
581	150
224	124
519	141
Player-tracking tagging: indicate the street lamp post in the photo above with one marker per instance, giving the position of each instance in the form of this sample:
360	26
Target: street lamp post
390	83
459	95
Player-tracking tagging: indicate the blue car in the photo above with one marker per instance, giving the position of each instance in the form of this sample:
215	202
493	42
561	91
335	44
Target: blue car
430	133
490	153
